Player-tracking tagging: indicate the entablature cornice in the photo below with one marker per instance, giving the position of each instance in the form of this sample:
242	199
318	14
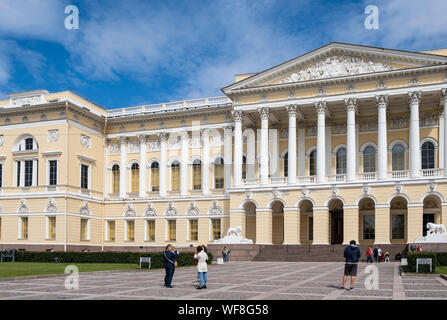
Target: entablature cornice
341	97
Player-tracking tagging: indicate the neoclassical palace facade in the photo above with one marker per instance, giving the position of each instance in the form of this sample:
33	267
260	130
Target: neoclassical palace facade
344	142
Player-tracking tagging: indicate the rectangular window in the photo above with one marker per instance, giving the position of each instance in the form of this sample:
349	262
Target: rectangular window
175	171
53	173
51	228
197	176
130	230
369	228
172	232
24	231
219	176
155	179
28	173
216	227
311	228
29	144
84	229
150	230
398	226
111	230
84	176
193	230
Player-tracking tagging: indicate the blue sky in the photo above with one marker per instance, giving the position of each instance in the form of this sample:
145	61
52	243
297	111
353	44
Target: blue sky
133	52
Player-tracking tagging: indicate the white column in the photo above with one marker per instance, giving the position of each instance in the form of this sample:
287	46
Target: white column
292	109
321	135
228	153
22	173
351	106
184	164
106	169
415	153
264	113
441	139
301	150
238	117
35	170
163	137
251	152
142	178
123	167
205	163
444	95
382	144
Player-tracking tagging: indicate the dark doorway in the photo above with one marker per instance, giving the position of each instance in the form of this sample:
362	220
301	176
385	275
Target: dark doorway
336	227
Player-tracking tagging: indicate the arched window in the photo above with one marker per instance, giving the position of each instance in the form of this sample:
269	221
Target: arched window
116	179
197	174
155	170
244	167
313	163
286	164
135	178
398	158
175	176
341	161
369	159
219	173
428	155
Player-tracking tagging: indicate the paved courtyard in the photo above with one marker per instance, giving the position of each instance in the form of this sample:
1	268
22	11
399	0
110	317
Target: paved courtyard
235	280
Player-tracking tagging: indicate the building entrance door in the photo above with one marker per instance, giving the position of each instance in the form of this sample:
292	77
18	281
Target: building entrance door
336	227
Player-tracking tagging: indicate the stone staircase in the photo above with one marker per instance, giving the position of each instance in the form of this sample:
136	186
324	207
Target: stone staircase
303	253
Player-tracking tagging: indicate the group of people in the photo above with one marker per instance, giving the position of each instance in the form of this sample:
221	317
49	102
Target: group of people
377	254
201	260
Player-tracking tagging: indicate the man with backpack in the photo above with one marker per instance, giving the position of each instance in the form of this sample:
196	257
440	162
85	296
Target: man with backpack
352	255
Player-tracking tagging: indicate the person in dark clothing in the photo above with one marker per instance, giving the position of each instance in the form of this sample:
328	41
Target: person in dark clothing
169	257
376	254
352	256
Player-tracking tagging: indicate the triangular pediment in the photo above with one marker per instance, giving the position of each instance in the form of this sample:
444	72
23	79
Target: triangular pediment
337	60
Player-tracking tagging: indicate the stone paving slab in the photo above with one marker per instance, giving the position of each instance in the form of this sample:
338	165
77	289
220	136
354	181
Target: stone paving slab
231	281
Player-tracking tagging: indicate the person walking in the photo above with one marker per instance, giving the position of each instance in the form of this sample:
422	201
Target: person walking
419	249
169	261
202	266
379	253
352	256
369	255
376	254
226	253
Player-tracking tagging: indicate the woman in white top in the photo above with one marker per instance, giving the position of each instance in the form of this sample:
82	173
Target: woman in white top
202	266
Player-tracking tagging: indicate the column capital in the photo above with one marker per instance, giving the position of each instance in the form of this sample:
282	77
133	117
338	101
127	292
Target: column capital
321	106
122	140
444	93
162	136
237	115
414	97
292	109
382	101
184	135
228	130
351	104
264	113
142	138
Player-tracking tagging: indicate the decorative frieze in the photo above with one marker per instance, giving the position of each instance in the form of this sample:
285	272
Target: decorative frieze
114	148
312	130
215	209
339	127
150	211
171	211
133	147
428	119
192	210
368	125
398	123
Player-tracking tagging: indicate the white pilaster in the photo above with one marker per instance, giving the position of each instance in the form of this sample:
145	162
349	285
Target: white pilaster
415	153
351	106
264	113
205	163
321	109
163	137
238	117
228	153
142	178
22	173
444	95
123	167
292	109
184	164
382	154
35	170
